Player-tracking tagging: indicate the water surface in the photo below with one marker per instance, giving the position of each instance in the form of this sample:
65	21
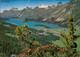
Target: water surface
32	24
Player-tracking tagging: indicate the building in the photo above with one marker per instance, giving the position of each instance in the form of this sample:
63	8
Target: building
40	32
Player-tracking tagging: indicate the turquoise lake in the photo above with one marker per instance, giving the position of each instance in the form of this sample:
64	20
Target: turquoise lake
31	24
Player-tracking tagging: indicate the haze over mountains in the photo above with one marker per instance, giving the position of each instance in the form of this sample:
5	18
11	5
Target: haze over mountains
54	14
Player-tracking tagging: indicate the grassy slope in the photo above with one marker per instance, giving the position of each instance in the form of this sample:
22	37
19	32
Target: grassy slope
62	45
8	40
46	38
77	41
52	35
7	31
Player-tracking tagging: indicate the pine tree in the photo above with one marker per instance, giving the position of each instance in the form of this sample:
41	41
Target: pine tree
69	39
24	35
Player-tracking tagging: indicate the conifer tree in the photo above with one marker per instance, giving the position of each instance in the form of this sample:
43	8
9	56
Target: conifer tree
69	39
24	35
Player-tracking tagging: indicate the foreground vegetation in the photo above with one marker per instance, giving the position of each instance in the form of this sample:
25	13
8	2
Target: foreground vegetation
9	42
28	42
51	50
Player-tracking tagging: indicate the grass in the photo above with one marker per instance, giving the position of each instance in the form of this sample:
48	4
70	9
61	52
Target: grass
8	30
11	35
59	43
78	43
52	35
50	30
45	39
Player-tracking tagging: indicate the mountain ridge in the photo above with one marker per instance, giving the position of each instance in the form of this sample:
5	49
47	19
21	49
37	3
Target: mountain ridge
54	14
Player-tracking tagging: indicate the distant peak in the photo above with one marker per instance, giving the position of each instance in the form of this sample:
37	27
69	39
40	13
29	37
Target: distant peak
14	8
44	6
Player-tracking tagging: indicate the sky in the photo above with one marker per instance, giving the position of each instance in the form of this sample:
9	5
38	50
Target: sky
21	4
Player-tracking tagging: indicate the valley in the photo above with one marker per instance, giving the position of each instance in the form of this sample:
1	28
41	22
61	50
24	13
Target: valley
48	31
54	14
41	31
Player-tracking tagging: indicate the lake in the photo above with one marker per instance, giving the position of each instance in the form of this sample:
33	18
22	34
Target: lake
31	24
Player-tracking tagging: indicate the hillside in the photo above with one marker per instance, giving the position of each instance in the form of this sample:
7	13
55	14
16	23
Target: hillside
12	13
8	39
61	15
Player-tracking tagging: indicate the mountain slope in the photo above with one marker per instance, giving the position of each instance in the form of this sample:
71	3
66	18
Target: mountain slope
13	12
55	14
62	15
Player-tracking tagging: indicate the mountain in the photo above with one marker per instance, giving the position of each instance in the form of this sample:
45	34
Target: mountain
44	6
13	12
55	14
38	12
62	14
76	9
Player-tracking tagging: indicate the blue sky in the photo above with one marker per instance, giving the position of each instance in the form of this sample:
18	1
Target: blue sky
8	4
